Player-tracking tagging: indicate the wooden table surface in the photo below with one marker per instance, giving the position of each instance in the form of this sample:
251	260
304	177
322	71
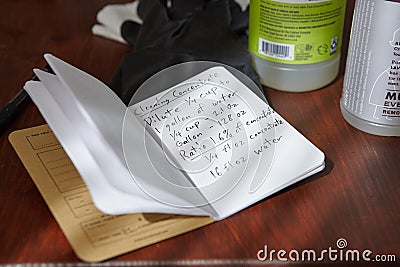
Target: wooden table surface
356	197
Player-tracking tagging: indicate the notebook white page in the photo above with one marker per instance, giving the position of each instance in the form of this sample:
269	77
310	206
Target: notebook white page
208	146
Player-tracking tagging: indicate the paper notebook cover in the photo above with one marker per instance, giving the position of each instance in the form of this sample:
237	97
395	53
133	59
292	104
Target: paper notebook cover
93	235
207	146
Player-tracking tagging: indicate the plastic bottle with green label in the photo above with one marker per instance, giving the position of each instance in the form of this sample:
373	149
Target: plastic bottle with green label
296	44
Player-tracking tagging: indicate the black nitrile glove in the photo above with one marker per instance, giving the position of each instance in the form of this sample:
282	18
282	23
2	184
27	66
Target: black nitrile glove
186	30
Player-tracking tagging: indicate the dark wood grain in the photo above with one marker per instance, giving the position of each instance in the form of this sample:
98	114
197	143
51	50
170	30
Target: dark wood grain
356	197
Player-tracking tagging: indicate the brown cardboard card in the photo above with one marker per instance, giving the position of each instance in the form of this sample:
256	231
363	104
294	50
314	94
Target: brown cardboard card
93	235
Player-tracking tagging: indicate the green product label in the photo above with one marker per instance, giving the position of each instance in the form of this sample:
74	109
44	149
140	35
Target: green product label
296	31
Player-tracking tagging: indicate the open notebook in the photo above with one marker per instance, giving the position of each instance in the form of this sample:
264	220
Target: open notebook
206	146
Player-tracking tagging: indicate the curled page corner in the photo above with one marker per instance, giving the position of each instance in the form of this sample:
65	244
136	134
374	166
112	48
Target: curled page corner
73	104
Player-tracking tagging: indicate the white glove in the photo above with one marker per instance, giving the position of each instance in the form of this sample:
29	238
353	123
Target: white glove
111	17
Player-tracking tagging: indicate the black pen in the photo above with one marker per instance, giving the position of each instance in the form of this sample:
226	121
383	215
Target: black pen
10	110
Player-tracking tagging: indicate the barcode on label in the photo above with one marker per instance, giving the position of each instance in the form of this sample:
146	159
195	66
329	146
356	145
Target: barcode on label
276	50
